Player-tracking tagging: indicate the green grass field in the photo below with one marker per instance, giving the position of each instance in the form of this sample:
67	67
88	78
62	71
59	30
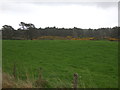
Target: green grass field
96	62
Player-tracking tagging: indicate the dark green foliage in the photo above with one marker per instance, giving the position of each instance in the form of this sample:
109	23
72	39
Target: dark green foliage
7	32
27	31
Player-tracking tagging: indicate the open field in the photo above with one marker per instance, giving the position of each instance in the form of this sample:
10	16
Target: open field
96	62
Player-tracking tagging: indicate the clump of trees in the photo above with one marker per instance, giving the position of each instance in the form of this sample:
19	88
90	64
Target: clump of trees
28	31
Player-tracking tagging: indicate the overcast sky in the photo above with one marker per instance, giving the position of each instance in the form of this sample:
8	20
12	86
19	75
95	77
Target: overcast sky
60	14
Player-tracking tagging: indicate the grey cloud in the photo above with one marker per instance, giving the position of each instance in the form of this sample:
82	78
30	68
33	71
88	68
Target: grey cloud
119	13
15	7
26	7
66	2
106	4
97	4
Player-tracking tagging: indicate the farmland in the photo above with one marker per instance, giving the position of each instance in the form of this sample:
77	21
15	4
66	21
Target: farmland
96	62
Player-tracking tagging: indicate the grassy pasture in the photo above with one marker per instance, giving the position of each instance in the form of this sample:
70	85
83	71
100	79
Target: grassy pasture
96	62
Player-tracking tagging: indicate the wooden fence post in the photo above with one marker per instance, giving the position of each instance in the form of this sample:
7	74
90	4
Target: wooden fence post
14	70
75	81
40	73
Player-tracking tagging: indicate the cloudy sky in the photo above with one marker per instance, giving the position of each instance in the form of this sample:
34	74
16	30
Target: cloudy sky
59	14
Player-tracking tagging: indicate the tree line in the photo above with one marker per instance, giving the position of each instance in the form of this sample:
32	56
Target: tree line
28	31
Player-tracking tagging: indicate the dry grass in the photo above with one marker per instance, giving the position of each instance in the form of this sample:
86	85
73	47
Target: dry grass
10	82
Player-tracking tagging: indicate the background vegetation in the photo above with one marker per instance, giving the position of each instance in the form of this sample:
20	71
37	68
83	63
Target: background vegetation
28	31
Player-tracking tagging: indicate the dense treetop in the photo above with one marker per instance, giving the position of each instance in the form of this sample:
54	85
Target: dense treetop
29	31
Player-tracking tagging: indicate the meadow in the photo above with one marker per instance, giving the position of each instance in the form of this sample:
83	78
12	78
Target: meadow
96	62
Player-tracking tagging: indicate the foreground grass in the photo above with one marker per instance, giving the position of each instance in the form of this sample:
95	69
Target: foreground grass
94	61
